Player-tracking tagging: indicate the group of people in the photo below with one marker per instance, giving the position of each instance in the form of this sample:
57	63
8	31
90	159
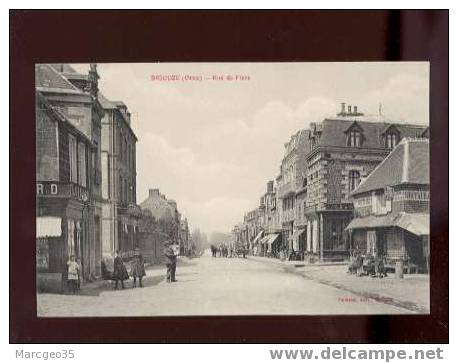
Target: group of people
223	250
120	273
367	265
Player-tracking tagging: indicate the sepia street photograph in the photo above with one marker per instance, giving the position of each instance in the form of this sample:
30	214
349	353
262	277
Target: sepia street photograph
223	189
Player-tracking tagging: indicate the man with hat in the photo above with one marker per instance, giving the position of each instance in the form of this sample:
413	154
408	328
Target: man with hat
170	260
138	268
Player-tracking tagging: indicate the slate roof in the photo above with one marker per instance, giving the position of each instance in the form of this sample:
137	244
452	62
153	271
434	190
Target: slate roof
333	131
47	78
408	163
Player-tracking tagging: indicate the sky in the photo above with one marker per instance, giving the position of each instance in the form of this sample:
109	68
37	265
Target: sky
212	145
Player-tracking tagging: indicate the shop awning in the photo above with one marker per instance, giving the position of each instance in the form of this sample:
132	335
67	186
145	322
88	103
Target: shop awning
371	222
272	238
264	239
48	227
413	222
296	234
258	237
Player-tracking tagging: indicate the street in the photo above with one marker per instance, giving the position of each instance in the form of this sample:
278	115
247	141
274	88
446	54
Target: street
213	286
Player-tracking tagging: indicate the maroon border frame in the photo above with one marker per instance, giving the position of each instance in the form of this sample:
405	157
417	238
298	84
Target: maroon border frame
221	36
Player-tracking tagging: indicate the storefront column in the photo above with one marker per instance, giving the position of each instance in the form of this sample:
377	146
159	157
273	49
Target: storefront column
309	236
321	237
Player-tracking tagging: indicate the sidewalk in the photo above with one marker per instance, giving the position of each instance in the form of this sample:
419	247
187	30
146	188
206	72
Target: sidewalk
152	270
411	292
294	263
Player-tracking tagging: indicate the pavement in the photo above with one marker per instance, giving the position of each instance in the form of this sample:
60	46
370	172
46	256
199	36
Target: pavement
411	292
216	286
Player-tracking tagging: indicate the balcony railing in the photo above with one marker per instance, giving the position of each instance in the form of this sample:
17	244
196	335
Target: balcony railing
62	190
329	207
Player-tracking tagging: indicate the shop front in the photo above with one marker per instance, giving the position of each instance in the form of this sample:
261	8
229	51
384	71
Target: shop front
61	231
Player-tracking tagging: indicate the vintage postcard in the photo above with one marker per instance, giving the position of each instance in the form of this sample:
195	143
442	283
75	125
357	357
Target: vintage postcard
203	189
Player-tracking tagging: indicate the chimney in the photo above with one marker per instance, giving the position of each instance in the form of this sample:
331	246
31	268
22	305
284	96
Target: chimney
153	193
355	109
349	109
342	109
128	117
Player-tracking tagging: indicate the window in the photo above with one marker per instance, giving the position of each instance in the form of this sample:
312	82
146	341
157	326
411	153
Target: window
120	190
354	139
391	140
354	179
82	178
72	159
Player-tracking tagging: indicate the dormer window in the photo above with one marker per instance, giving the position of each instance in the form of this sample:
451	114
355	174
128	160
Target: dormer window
354	138
391	140
354	135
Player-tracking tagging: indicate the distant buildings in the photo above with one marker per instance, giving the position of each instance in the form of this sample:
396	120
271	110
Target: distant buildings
321	168
168	218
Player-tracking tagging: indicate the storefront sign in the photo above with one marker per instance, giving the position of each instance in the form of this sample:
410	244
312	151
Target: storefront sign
62	190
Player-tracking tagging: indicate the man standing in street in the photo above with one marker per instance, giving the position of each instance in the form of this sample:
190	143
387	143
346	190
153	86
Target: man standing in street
170	260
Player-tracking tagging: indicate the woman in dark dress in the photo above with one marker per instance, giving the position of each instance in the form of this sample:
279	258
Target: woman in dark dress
120	271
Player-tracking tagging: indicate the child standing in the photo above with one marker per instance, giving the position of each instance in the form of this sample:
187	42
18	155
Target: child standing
73	275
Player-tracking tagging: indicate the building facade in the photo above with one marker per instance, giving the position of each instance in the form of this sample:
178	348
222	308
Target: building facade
392	208
68	169
343	151
121	214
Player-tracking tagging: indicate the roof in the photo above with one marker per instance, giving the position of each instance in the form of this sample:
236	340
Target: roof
48	79
159	207
408	163
333	131
415	223
106	103
61	117
63	68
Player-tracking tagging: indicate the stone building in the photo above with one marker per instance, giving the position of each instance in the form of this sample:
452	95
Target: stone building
68	173
290	180
165	212
392	208
150	238
343	151
119	179
270	222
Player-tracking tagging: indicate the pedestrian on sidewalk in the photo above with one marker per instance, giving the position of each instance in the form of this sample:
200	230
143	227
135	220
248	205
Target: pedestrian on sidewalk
138	268
73	275
170	260
119	271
